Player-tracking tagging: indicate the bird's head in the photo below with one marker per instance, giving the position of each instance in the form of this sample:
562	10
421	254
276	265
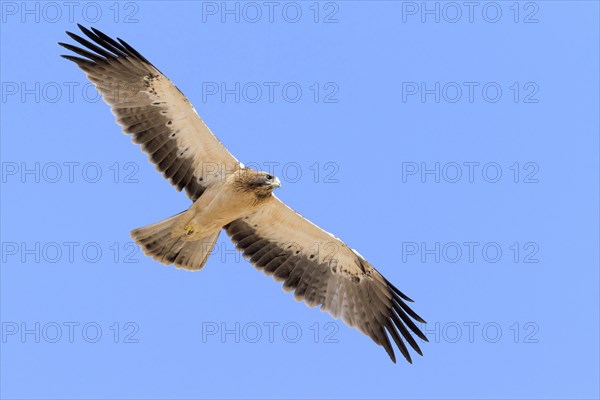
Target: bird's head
259	182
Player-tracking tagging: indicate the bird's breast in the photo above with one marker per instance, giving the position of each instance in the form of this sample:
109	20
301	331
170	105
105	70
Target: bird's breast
222	205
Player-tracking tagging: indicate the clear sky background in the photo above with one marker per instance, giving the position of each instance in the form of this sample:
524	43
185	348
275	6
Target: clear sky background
455	146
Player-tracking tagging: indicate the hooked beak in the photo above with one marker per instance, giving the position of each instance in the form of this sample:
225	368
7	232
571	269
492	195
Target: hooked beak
276	183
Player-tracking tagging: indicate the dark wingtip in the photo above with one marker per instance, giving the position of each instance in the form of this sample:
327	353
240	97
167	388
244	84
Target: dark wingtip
392	356
397	291
86	31
416	348
133	51
405	297
417	318
76	60
71	34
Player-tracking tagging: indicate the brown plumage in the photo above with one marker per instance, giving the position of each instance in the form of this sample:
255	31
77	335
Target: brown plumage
317	266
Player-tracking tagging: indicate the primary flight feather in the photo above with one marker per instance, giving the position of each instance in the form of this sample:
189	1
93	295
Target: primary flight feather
317	266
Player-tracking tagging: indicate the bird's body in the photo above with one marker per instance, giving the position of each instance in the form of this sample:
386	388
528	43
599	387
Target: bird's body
319	267
187	238
224	201
219	205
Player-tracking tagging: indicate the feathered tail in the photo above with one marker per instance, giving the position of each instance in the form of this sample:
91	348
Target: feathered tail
158	241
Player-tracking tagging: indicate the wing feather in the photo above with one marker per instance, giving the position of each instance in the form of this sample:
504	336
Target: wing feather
322	270
153	110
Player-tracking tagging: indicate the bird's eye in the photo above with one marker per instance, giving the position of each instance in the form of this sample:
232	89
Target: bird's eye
269	177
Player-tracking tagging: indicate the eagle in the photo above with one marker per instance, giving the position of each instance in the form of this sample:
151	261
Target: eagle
317	266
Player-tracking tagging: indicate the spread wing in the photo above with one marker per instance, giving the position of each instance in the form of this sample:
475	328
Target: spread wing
149	106
322	270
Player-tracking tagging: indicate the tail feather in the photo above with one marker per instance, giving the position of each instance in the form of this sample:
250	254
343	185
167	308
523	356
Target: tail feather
158	241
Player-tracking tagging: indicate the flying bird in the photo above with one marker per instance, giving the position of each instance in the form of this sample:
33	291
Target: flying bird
316	265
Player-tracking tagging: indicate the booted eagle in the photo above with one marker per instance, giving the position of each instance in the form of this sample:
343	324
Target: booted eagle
317	266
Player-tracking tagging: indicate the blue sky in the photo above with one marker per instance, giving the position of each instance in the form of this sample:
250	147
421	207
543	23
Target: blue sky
455	146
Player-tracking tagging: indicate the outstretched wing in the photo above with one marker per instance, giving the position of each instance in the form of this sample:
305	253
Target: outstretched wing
322	270
150	107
